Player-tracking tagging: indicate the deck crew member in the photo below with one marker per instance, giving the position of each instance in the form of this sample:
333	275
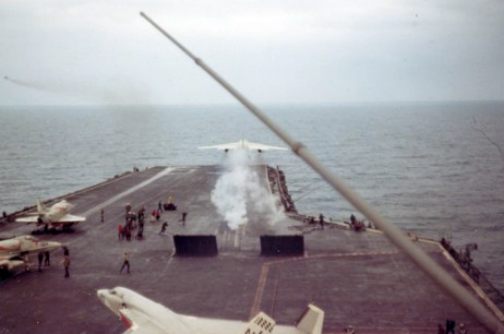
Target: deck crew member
66	264
40	259
163	227
450	326
120	232
125	263
47	261
321	221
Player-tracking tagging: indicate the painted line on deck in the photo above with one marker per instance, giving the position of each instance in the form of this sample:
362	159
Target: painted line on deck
263	276
125	193
260	291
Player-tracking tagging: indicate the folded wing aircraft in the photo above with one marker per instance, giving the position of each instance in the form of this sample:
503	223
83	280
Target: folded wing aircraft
13	251
243	144
56	216
141	315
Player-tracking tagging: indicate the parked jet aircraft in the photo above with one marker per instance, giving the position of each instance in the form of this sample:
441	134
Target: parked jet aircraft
55	216
142	315
244	145
13	251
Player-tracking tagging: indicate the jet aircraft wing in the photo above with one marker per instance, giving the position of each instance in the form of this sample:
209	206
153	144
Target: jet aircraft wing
243	144
221	147
262	147
28	219
66	219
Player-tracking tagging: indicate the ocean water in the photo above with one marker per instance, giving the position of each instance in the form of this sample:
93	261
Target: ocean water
433	168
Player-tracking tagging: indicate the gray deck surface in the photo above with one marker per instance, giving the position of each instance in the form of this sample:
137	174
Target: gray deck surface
357	278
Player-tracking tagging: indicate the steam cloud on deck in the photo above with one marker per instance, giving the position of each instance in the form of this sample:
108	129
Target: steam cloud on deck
240	196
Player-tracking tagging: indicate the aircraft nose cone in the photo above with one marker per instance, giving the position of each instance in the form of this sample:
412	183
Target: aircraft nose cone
101	293
111	301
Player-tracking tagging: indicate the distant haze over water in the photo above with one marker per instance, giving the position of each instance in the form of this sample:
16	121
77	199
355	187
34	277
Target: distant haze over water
433	168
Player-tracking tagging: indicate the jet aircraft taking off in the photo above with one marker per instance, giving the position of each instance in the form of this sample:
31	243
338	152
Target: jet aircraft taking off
55	216
243	144
142	315
13	251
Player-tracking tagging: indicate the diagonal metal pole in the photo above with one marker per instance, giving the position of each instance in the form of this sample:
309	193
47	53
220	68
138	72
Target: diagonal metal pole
394	234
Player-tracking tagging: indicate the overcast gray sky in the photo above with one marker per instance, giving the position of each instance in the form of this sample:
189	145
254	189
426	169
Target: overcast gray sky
102	52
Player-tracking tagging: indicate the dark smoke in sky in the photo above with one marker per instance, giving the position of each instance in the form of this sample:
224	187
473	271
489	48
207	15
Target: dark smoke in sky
96	92
26	84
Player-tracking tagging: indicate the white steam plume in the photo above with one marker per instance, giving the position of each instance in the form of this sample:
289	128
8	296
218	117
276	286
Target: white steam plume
240	197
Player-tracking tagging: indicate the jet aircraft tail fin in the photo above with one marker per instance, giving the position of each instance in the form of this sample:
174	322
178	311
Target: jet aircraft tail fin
261	323
41	207
312	320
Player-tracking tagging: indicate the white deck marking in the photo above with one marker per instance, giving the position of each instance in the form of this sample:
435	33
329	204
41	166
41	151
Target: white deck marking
128	191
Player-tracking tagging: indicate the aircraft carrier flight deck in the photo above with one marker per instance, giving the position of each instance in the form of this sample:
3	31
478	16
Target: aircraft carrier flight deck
357	278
